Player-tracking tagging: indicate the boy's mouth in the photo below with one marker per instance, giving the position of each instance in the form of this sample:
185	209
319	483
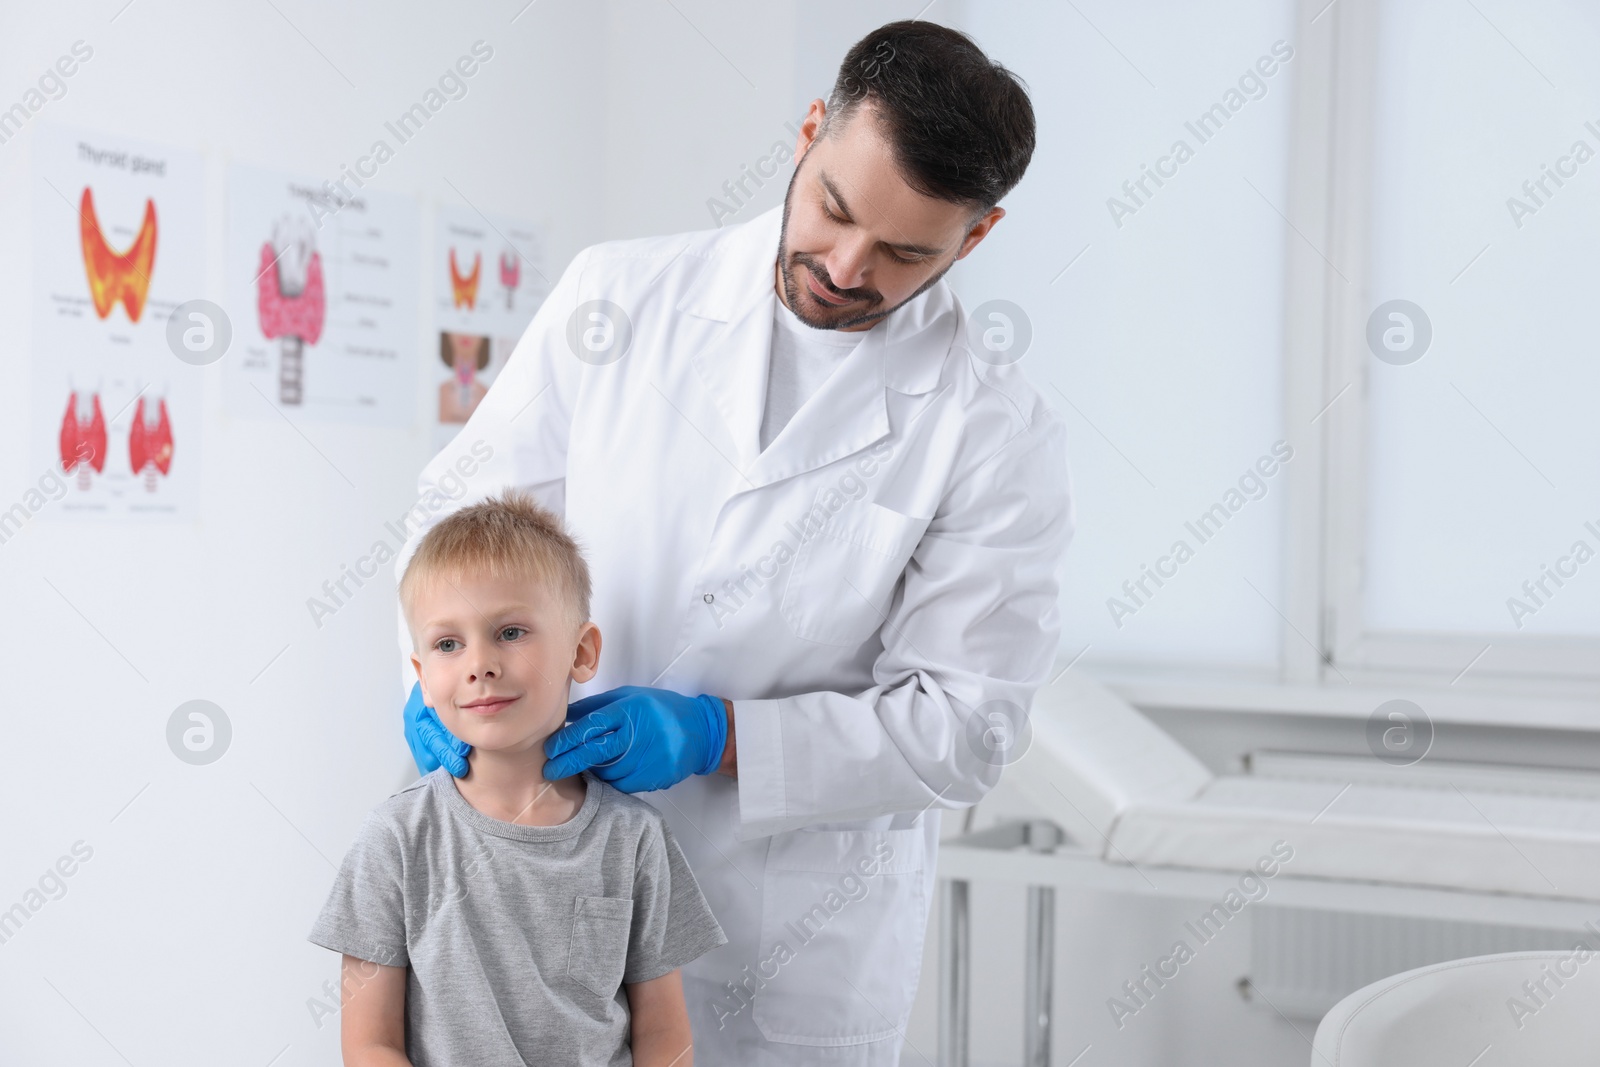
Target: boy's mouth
489	705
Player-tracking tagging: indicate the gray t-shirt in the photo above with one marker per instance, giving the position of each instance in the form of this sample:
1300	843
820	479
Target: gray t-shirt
518	939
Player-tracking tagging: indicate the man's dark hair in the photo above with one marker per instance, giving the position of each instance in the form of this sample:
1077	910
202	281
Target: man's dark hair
960	125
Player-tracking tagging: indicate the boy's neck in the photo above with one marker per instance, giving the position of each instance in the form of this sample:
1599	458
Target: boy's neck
511	787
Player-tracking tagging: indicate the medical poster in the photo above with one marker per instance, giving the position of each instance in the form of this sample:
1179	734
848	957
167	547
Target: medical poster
490	276
323	290
118	244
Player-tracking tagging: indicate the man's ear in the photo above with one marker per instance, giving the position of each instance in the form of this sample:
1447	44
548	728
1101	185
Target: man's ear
980	229
808	129
586	658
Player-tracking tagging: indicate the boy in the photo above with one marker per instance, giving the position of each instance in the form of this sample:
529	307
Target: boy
500	918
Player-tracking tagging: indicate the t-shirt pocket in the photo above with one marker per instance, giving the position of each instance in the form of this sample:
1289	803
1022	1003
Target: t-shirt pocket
598	951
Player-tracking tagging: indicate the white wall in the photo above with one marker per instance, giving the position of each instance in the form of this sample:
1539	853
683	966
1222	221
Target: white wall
694	90
183	939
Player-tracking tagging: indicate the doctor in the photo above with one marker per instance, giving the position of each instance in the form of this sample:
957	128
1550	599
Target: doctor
824	531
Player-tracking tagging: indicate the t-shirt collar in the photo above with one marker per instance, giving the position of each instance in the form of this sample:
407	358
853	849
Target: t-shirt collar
445	785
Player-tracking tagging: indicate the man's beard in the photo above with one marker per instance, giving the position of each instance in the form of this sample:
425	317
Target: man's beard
791	288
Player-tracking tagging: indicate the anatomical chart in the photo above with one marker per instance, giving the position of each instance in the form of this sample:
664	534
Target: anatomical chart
323	290
490	276
118	243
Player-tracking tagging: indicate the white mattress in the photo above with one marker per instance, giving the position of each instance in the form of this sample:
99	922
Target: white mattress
1091	756
1437	834
1123	788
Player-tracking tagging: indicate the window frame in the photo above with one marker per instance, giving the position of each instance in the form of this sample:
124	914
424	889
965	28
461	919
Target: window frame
1325	640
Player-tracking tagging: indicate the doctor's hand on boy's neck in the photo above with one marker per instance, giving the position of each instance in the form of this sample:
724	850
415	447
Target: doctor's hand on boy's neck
495	657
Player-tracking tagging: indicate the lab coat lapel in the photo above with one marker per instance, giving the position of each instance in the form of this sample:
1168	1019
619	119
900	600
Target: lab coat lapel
904	352
848	413
732	365
734	296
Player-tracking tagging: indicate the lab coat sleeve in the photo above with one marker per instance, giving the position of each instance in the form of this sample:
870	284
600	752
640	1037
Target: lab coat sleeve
972	631
517	435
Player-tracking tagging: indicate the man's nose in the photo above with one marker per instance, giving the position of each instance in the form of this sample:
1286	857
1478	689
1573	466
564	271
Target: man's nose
847	264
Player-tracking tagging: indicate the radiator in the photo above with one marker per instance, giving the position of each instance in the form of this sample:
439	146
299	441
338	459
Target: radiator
1304	961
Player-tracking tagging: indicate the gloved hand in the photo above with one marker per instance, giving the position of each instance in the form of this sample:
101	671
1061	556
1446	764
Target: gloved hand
639	739
431	744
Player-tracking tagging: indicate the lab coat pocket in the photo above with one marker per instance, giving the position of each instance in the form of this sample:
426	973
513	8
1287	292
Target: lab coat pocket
844	576
841	916
598	950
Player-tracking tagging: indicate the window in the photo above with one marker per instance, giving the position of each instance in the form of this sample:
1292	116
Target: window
1463	500
1153	280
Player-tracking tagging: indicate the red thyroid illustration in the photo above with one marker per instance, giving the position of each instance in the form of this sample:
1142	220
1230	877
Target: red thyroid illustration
465	289
290	316
114	277
83	443
510	274
292	302
150	447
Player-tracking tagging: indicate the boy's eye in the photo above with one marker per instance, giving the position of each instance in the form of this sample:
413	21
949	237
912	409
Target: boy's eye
511	633
446	644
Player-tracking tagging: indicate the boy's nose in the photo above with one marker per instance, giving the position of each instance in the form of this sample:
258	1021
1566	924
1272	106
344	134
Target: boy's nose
483	665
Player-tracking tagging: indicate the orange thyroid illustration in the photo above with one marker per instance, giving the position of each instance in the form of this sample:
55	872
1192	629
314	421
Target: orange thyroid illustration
114	277
465	289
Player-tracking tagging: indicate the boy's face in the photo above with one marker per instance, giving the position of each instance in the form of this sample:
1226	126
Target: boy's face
495	657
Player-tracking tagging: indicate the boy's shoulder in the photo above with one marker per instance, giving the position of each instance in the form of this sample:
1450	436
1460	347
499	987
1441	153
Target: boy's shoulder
625	811
407	808
419	794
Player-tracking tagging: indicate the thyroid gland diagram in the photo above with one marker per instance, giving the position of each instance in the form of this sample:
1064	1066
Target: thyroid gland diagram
291	301
150	443
465	289
114	277
510	273
83	436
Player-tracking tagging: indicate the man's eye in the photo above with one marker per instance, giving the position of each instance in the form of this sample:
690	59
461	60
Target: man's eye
446	644
511	633
898	259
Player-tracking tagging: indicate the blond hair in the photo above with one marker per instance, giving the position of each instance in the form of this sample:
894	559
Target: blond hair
507	537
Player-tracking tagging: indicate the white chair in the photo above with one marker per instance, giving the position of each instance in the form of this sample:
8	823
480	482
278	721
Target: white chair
1535	1008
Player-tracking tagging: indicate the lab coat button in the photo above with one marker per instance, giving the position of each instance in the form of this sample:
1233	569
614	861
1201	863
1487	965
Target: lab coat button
708	598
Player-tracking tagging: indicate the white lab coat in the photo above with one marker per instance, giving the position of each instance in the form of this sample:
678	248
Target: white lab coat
885	567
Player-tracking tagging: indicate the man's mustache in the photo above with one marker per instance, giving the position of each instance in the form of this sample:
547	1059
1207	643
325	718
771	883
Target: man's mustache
821	275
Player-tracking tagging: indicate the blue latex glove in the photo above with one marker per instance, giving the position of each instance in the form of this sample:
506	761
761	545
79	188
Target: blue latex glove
639	739
431	744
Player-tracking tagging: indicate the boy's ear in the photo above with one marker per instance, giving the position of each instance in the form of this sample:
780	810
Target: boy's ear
416	665
586	658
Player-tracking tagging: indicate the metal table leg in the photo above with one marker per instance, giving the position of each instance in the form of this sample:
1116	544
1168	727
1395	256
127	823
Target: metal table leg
955	966
1039	978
